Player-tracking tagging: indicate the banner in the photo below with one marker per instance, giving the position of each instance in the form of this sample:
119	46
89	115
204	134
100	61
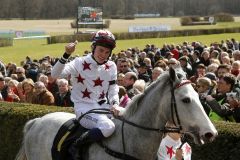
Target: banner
150	28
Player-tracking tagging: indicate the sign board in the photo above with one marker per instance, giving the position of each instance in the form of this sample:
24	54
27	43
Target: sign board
90	15
19	34
152	28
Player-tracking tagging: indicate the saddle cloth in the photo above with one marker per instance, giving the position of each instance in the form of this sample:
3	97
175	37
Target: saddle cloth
67	134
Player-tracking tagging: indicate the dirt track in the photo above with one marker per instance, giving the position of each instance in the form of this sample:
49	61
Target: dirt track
60	26
63	26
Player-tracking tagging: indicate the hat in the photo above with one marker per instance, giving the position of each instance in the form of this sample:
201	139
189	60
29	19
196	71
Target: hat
168	54
184	58
172	61
211	76
143	64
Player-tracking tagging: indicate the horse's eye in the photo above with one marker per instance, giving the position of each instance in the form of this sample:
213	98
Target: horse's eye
186	100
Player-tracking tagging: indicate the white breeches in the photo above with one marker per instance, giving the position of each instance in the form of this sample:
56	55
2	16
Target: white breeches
89	121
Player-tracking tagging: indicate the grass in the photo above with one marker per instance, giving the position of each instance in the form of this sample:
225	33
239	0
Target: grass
36	49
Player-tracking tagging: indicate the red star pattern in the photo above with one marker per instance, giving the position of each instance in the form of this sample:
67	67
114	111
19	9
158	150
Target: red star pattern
102	95
98	82
80	79
107	67
86	93
170	151
187	149
86	66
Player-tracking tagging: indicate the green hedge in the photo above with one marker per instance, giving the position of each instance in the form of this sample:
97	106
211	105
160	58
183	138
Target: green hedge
223	17
143	35
6	42
225	147
13	116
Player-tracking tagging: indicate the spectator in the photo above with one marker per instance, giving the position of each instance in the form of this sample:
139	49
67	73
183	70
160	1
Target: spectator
62	98
162	64
11	69
223	69
164	50
52	83
235	68
156	72
124	66
20	92
42	95
20	74
219	107
236	55
204	87
195	61
33	71
142	55
142	72
129	80
43	78
205	58
14	76
169	55
214	54
120	79
139	86
201	70
148	63
212	68
3	89
12	97
3	69
224	58
28	89
187	68
124	100
198	47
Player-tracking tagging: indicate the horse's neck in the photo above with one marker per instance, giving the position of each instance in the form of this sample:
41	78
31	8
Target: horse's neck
140	143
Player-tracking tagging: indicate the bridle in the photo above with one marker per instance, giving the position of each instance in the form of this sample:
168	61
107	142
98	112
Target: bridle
176	129
174	104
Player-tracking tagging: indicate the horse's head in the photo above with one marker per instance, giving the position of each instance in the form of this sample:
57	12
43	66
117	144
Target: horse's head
187	109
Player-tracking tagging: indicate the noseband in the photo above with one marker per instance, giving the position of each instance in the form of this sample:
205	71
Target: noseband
176	129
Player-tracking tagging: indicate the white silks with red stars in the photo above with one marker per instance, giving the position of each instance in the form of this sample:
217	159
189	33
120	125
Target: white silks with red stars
168	147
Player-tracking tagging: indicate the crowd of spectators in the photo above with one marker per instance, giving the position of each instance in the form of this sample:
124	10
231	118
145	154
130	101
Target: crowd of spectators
213	70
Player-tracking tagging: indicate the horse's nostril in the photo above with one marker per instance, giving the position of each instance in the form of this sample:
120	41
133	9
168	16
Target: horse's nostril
208	135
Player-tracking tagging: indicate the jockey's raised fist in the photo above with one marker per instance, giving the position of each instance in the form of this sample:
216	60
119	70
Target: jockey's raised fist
70	48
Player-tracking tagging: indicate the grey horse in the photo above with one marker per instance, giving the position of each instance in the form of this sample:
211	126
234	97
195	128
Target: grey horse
171	98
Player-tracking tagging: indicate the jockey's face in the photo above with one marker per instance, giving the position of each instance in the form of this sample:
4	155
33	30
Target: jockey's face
101	54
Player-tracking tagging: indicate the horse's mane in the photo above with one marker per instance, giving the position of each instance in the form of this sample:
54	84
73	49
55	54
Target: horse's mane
137	100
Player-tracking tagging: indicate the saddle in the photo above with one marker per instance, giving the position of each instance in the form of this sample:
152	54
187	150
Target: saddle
67	134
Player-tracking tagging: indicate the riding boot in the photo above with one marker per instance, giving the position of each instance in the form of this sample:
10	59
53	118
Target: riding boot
77	148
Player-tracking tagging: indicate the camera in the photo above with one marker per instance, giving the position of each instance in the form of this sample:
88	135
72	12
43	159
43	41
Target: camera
233	95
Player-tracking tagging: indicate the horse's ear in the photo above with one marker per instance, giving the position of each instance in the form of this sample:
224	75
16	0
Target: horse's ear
172	74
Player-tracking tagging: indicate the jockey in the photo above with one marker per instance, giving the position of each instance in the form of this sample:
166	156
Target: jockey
93	79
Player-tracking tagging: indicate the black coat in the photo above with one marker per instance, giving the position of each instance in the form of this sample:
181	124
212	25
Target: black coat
64	101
